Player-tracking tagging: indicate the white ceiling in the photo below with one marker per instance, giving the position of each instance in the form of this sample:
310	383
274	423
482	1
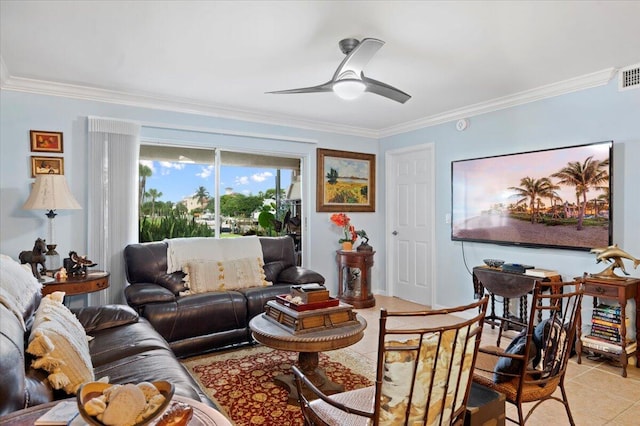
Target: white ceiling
218	58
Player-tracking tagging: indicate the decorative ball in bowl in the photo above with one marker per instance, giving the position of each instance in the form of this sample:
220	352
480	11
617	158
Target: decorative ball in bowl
103	404
493	263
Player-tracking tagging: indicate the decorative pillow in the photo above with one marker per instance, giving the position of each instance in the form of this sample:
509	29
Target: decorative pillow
60	345
433	362
511	366
183	250
549	337
18	287
205	276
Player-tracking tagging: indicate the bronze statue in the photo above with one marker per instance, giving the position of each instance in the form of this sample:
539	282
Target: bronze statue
614	255
35	257
78	265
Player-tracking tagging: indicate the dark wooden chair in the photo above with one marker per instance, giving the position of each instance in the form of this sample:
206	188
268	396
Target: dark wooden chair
534	363
424	369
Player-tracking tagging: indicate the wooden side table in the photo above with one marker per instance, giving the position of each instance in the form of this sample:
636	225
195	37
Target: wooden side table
508	285
354	282
620	290
81	284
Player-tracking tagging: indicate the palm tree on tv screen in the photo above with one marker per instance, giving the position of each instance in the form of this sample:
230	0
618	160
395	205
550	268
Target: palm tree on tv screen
584	176
532	189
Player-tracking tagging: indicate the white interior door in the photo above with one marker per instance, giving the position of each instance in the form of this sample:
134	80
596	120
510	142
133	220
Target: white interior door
410	223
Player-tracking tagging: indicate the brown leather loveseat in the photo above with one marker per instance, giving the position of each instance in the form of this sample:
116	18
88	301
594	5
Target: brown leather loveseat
203	322
124	347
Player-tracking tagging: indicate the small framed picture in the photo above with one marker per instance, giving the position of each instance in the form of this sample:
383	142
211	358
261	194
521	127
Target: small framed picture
47	166
46	141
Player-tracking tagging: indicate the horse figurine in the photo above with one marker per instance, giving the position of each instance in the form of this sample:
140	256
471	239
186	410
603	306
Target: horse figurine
35	257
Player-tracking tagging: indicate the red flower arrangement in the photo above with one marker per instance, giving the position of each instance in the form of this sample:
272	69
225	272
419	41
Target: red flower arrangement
343	221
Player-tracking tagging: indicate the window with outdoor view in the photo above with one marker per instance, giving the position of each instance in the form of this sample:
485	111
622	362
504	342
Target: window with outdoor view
258	194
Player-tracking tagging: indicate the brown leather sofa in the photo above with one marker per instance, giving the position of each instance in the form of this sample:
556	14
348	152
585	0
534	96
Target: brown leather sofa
125	347
207	321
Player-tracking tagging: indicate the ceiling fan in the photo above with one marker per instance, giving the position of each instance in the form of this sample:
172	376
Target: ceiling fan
349	81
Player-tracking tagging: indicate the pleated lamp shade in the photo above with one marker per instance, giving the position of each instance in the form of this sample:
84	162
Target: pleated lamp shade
51	192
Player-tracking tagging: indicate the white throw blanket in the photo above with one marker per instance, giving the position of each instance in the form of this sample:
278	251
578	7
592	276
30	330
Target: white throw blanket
183	250
17	286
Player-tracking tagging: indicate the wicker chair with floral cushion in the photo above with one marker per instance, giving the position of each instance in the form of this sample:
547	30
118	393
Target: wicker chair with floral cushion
424	370
534	363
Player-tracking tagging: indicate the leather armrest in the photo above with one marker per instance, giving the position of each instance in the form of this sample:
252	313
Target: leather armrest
139	295
94	318
298	275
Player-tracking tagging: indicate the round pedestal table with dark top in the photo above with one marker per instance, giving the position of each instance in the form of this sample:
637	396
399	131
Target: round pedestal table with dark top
308	345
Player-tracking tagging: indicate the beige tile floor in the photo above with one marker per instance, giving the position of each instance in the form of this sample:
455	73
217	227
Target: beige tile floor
597	393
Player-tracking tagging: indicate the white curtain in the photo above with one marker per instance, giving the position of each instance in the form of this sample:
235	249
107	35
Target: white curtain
113	199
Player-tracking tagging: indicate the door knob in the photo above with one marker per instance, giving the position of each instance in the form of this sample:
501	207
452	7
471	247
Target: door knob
395	233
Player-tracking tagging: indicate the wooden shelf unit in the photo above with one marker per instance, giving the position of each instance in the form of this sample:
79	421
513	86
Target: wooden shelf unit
620	290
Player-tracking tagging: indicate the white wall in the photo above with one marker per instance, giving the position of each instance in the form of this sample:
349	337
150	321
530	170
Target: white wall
21	112
591	115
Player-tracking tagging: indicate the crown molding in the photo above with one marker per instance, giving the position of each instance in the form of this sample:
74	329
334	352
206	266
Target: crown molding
187	106
42	87
599	78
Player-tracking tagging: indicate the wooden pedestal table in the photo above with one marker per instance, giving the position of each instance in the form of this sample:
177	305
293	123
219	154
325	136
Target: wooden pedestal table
308	344
354	278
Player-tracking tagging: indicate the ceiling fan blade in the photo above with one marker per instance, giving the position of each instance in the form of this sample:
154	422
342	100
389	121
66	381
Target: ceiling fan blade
382	89
359	57
326	87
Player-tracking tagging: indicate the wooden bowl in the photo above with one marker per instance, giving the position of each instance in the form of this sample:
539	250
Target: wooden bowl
94	389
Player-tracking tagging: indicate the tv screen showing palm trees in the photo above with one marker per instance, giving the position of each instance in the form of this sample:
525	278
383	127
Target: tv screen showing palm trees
557	198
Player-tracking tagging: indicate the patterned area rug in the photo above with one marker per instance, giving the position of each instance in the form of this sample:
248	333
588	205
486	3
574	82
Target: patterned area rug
241	381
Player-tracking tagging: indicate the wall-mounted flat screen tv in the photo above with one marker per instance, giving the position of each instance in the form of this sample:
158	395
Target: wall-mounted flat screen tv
559	198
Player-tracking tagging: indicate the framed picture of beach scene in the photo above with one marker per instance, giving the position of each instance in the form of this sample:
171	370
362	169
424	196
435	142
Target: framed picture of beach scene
346	181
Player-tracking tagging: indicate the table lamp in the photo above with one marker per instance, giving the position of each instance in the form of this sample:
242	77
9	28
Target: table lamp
51	192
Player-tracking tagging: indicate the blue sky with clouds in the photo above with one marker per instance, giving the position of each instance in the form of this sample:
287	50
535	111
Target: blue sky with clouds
179	180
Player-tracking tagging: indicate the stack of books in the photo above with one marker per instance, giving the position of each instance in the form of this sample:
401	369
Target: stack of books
606	326
310	293
540	272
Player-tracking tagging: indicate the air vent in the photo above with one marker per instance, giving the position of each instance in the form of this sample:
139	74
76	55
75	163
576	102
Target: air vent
629	78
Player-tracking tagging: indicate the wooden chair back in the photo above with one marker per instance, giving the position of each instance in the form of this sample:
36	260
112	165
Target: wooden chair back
424	371
534	363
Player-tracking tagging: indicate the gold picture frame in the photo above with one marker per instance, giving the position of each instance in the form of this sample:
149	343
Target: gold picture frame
346	181
42	141
47	165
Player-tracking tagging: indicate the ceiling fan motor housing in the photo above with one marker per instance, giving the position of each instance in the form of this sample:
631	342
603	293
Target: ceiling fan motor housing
348	44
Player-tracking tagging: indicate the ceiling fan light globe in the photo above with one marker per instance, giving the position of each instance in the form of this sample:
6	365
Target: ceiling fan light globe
349	89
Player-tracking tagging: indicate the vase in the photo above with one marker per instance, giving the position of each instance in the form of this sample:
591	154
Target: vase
347	246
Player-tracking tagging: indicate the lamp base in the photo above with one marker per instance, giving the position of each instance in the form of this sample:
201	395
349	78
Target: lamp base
52	258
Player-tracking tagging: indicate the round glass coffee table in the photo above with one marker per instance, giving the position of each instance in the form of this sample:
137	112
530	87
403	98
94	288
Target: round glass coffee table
308	345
